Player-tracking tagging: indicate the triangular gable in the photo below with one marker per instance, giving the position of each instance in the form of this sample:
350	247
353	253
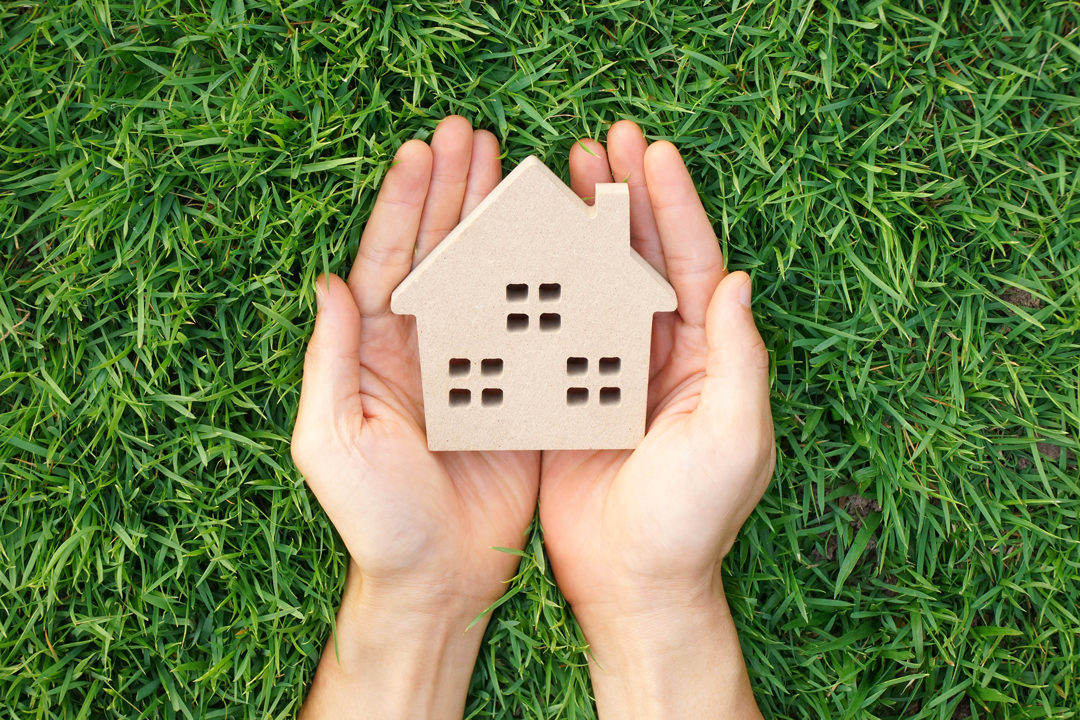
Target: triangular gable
413	283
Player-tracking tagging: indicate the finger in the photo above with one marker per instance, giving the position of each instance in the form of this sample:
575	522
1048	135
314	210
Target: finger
737	368
692	255
485	172
330	390
588	166
626	152
386	248
451	153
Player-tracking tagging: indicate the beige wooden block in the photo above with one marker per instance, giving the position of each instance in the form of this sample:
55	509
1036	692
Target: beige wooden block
534	320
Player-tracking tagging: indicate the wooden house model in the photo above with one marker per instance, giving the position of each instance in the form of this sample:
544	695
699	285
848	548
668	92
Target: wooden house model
534	321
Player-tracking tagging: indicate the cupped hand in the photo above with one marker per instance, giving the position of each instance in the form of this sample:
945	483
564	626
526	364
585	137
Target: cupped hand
420	527
636	538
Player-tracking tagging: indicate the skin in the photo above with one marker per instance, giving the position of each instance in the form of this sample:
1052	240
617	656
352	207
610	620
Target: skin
635	538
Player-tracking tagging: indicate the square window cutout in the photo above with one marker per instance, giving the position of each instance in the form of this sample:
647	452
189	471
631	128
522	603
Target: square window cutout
517	293
610	366
517	322
610	396
577	396
491	367
550	322
550	292
577	366
459	367
460	398
491	397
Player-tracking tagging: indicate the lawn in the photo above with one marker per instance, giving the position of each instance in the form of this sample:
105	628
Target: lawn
901	178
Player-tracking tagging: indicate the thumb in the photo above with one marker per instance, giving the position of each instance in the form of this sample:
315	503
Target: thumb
331	384
736	386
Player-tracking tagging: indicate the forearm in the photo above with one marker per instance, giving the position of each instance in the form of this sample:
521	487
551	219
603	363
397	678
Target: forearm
672	659
395	662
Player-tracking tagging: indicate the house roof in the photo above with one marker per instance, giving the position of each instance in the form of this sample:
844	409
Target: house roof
663	293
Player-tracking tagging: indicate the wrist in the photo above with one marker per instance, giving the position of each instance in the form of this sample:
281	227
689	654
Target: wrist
397	654
666	652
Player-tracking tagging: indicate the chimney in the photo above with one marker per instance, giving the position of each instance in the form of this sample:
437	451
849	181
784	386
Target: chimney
611	210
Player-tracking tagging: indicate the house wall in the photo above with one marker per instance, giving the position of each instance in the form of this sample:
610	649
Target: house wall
536	389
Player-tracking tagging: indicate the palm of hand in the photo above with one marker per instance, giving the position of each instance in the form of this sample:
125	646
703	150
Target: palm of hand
599	509
409	517
443	512
669	511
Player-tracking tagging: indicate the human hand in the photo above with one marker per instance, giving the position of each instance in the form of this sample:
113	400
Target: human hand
419	526
636	538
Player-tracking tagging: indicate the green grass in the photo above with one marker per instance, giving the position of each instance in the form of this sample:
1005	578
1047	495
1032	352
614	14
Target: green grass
900	177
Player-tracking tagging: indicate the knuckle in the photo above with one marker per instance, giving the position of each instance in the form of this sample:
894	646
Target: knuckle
767	458
322	442
757	354
314	357
303	448
386	255
761	450
431	237
311	356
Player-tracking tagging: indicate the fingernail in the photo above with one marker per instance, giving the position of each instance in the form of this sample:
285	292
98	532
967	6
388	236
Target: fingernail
744	295
320	295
